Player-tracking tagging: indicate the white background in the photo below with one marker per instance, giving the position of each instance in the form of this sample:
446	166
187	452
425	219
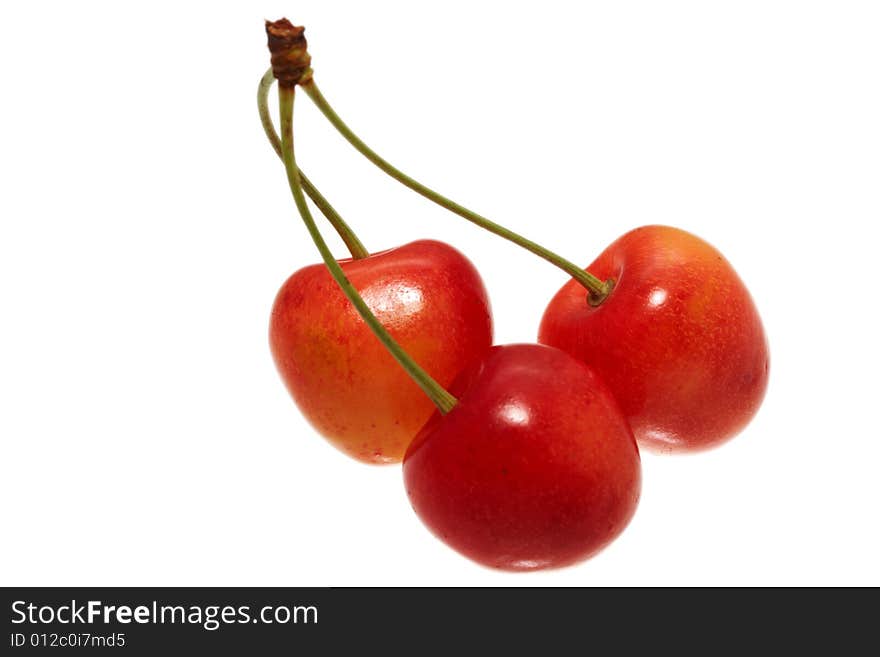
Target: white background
146	226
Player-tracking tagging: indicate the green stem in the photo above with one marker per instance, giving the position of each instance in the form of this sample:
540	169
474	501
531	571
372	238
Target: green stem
441	397
354	245
597	289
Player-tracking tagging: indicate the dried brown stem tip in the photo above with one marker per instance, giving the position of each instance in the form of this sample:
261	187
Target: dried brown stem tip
290	58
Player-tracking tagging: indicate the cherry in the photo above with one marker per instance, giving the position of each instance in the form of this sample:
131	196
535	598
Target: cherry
678	339
531	459
429	297
534	467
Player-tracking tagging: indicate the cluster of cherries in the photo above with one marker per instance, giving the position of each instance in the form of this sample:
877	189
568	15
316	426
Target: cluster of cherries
518	456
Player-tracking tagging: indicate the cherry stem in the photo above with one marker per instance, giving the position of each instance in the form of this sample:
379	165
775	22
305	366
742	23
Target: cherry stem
354	245
440	396
598	290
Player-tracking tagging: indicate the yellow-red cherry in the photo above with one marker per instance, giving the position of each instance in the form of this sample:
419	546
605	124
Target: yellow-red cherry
678	340
431	299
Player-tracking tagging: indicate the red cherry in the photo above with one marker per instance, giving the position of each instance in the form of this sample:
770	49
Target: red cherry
429	297
534	467
678	340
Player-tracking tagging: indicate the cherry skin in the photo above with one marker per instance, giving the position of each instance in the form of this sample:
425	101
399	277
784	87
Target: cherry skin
432	301
534	467
678	340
